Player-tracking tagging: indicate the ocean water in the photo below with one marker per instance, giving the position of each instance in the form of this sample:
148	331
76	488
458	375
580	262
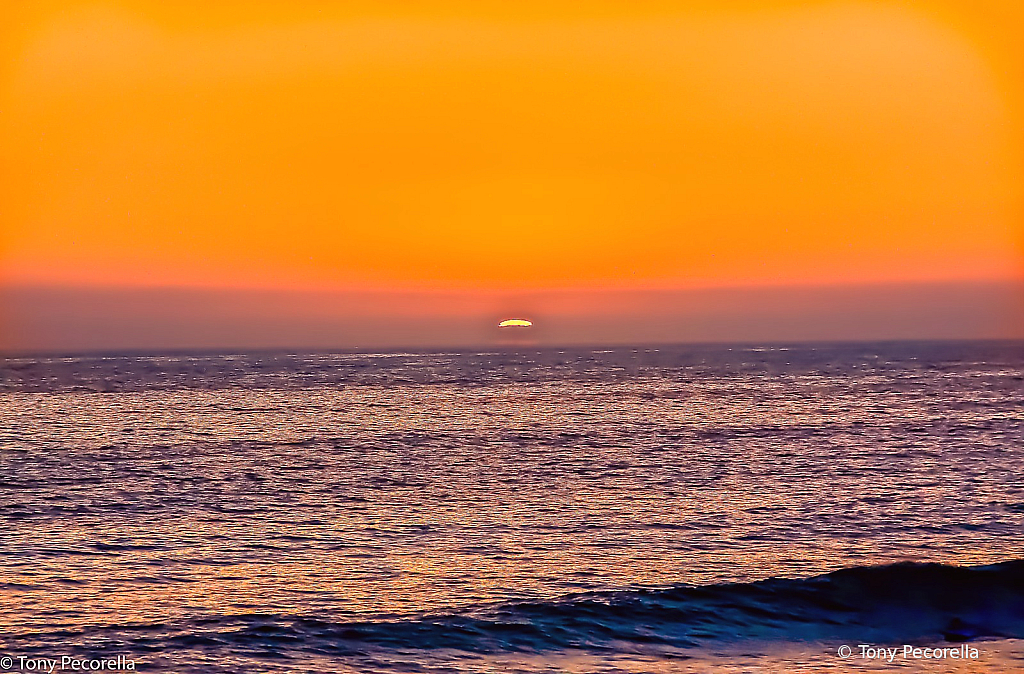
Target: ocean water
661	509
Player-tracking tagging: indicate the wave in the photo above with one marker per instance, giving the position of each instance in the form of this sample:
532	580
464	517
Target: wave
900	603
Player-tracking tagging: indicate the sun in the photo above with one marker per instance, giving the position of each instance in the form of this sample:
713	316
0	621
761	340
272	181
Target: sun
515	323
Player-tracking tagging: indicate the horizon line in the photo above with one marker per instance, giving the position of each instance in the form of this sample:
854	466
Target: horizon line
461	349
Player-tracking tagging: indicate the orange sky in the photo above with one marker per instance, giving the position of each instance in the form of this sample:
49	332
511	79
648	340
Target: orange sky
466	145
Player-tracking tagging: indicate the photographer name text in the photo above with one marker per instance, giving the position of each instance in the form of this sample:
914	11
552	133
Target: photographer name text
67	663
909	652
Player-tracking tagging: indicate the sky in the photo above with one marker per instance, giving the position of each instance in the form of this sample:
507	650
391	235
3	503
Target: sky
410	172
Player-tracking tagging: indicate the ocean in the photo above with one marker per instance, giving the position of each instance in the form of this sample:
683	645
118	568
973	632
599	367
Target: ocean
691	508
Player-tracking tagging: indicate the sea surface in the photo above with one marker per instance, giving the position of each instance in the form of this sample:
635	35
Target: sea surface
657	509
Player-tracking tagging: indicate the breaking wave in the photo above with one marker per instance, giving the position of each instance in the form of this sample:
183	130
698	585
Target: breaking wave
900	603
